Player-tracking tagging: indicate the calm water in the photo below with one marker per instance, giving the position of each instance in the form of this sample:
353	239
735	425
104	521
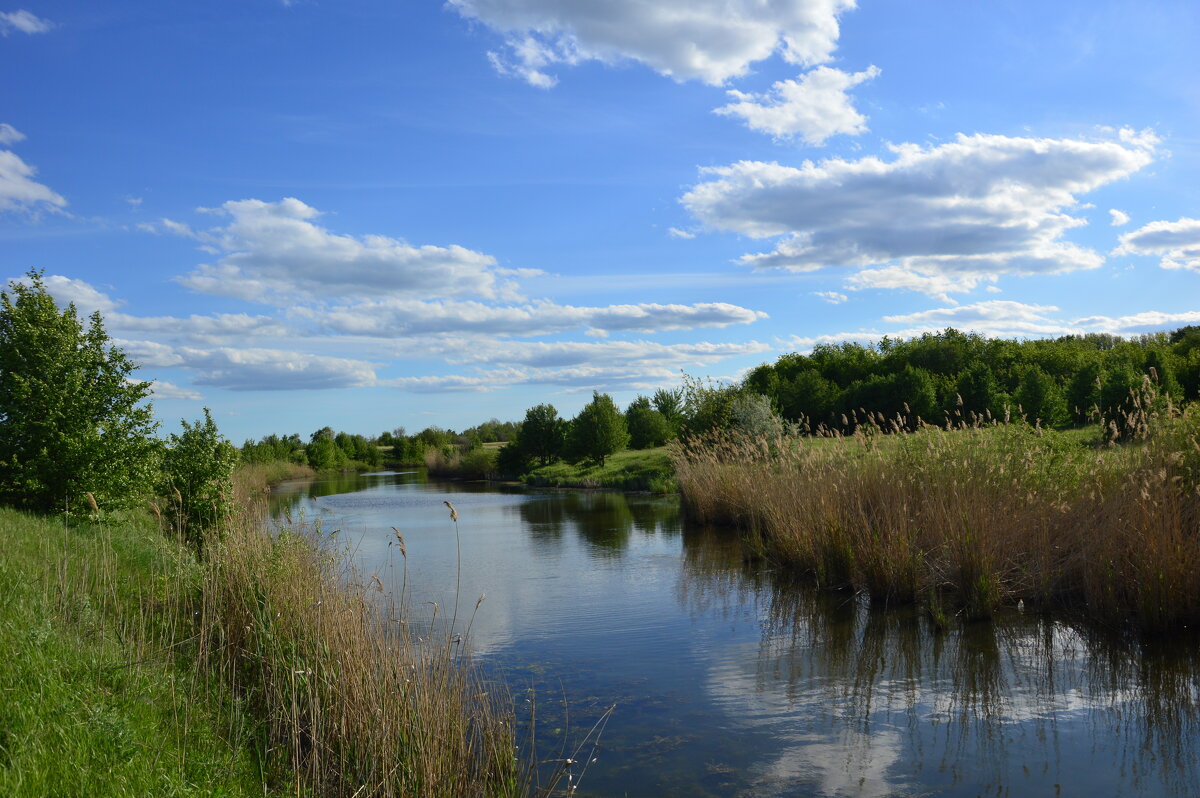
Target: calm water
729	681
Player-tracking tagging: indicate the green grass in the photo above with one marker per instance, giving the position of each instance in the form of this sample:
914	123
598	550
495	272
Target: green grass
631	469
90	703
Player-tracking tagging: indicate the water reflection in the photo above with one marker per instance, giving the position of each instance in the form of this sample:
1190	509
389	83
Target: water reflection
606	521
731	680
875	701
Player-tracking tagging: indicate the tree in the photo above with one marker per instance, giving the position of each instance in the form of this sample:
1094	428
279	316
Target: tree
542	434
1039	397
72	421
647	427
598	430
197	479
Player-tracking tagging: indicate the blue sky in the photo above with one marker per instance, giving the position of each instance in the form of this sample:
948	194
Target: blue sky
370	215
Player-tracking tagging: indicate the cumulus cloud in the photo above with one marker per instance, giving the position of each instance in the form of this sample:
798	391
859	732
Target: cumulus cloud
707	40
275	252
1118	217
675	232
981	205
1178	243
67	290
19	191
22	21
812	108
405	318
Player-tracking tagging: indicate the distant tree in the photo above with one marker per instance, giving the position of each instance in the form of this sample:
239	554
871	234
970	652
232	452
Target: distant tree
670	404
72	420
752	414
598	431
647	427
542	434
1039	397
1083	392
707	405
808	396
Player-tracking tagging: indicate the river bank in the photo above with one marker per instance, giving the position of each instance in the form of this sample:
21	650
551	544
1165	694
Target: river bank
267	667
967	520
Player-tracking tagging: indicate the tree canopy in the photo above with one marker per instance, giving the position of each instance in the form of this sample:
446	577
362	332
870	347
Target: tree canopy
72	420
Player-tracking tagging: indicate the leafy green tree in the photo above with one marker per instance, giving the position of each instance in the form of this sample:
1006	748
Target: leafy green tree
197	479
598	431
1083	392
707	405
647	427
72	421
808	396
543	434
752	414
1039	397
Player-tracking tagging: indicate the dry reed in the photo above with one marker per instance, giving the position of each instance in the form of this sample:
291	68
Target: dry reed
982	512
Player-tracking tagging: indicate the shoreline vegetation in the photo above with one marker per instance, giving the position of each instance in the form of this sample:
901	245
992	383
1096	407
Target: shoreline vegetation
265	666
971	517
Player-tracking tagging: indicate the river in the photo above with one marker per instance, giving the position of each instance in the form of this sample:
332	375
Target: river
729	679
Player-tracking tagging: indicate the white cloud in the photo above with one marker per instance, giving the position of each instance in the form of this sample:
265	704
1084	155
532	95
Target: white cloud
1118	217
812	108
1178	243
1003	319
9	134
216	329
708	40
832	297
396	318
675	232
22	21
274	252
19	191
558	354
981	205
939	285
66	290
168	390
576	365
273	369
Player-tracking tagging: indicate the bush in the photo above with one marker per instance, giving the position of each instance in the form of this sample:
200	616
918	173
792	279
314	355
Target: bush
197	480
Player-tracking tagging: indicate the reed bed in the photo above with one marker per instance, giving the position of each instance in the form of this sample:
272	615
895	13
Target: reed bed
974	515
348	700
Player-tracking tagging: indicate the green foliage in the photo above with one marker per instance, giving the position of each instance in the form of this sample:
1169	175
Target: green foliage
543	434
197	480
669	403
648	428
707	406
71	420
752	414
598	431
1039	398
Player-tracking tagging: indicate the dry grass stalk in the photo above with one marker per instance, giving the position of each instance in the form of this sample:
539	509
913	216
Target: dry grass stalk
989	512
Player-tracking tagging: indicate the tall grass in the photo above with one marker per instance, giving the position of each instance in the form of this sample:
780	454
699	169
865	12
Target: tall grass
267	667
349	700
973	515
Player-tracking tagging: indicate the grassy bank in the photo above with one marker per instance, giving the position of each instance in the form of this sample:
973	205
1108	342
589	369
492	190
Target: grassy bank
631	469
94	699
130	667
968	519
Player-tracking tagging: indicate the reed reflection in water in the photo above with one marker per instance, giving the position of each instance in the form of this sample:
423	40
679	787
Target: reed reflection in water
731	680
868	700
